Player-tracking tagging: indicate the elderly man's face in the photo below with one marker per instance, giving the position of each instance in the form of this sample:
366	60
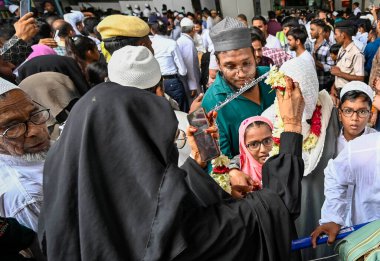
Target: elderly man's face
16	108
238	66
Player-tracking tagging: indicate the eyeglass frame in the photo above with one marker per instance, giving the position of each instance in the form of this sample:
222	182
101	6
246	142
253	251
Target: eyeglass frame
4	134
239	68
181	139
357	113
260	143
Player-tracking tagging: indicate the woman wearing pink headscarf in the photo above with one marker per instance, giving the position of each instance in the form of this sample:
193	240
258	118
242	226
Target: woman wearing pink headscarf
255	143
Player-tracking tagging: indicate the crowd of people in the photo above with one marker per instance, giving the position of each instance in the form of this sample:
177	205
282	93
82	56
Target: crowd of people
99	162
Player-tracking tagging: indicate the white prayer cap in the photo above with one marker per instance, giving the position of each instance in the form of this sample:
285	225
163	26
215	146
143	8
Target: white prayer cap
335	13
180	15
13	8
175	14
357	86
186	22
304	73
6	86
134	66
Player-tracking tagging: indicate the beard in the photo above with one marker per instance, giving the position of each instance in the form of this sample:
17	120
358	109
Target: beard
33	157
36	156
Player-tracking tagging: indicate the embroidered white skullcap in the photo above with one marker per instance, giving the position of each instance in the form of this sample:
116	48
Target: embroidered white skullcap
304	73
6	86
335	13
134	66
357	86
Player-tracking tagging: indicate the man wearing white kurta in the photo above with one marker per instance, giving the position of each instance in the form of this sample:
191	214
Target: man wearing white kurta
24	141
190	57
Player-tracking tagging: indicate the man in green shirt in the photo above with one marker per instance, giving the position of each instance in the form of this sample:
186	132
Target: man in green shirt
237	66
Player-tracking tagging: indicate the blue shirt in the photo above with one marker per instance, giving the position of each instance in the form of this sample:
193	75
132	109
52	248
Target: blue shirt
369	53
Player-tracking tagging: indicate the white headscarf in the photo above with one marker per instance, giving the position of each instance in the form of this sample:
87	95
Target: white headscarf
73	18
305	74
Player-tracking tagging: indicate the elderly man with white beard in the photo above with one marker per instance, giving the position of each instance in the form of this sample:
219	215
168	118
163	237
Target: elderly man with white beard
24	142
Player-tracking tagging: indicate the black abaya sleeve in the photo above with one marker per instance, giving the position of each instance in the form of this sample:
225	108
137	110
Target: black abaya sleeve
283	173
259	227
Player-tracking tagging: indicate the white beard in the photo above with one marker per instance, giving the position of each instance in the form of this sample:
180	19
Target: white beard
32	157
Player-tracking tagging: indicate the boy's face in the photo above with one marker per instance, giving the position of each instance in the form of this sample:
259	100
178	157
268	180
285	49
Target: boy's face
354	125
334	57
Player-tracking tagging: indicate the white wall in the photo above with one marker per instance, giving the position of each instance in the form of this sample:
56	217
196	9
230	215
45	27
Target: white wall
209	4
234	7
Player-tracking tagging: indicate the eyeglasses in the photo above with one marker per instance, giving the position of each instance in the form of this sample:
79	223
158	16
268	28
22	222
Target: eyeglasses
181	138
246	68
362	113
19	129
255	145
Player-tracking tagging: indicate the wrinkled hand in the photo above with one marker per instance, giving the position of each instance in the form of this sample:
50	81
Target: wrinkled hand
331	229
213	130
48	42
241	184
291	105
335	70
26	27
196	103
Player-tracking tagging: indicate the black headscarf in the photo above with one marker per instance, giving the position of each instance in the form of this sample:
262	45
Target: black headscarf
104	190
113	191
55	63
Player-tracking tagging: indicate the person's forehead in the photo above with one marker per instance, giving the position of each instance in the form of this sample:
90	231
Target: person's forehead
257	44
236	55
358	102
258	22
16	100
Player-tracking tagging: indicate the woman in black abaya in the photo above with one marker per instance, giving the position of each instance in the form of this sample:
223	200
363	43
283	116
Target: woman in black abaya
113	191
55	63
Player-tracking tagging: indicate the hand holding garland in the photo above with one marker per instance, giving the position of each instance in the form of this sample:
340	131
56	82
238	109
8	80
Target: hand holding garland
291	105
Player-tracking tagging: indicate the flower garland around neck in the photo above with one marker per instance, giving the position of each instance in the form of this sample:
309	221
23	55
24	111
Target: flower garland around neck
315	129
276	79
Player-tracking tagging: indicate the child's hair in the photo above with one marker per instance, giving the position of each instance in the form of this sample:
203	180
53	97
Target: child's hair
334	49
96	72
353	95
257	124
